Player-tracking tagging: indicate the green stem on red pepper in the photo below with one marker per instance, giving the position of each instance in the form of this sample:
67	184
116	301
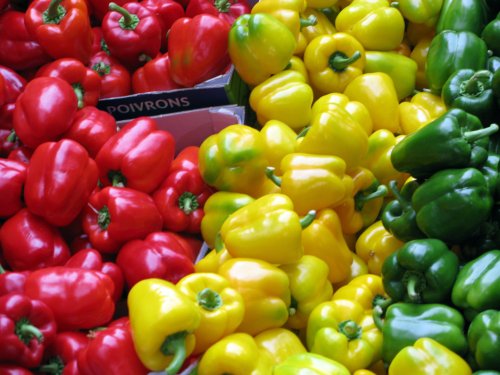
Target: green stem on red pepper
54	13
129	21
26	331
188	202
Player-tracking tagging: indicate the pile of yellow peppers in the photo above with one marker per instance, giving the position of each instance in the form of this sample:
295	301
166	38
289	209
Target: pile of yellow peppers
295	247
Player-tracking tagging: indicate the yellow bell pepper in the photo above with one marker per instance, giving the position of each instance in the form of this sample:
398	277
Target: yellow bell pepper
423	108
378	158
377	92
310	364
220	305
375	244
333	60
323	238
279	141
420	11
265	289
309	286
212	261
321	3
286	97
297	64
312	182
235	354
358	268
377	25
335	132
363	372
268	229
162	322
419	55
344	331
365	202
363	289
428	357
357	110
216	210
323	25
279	344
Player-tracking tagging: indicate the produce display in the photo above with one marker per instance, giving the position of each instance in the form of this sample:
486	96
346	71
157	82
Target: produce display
350	225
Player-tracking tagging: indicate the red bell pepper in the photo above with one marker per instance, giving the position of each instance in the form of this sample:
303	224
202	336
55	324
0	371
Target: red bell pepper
26	326
132	33
14	370
99	8
12	179
198	49
18	48
167	11
115	216
91	259
61	356
60	178
92	128
143	259
115	78
12	282
111	351
44	110
22	154
3	4
182	195
29	242
79	243
154	76
227	10
138	156
62	27
85	81
188	245
79	298
13	86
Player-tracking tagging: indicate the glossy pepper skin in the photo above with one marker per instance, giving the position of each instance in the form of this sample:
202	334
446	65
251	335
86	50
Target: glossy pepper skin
362	289
285	97
236	354
265	289
138	156
198	49
421	11
450	51
162	320
479	274
12	180
114	216
428	356
247	51
420	110
182	195
405	323
227	10
27	326
476	11
61	356
456	139
13	85
115	78
279	343
344	331
422	271
154	76
11	281
62	27
267	229
44	110
132	33
483	336
167	13
221	307
99	8
59	180
279	141
312	363
312	182
452	188
333	60
29	242
490	35
79	298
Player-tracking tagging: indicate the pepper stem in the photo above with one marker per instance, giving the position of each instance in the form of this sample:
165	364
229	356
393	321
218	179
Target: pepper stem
474	135
117	179
103	218
411	288
54	13
309	21
339	61
188	202
129	21
55	366
222	6
381	302
361	197
303	132
270	174
377	317
473	86
2	270
350	329
26	331
12	137
79	92
209	299
102	68
308	219
405	204
175	345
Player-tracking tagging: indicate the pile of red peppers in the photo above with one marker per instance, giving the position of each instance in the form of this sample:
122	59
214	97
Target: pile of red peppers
87	209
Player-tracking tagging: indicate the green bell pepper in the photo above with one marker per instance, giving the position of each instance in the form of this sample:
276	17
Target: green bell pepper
484	340
496	85
493	64
405	323
398	216
422	271
456	139
463	15
452	204
491	35
477	285
452	50
471	91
